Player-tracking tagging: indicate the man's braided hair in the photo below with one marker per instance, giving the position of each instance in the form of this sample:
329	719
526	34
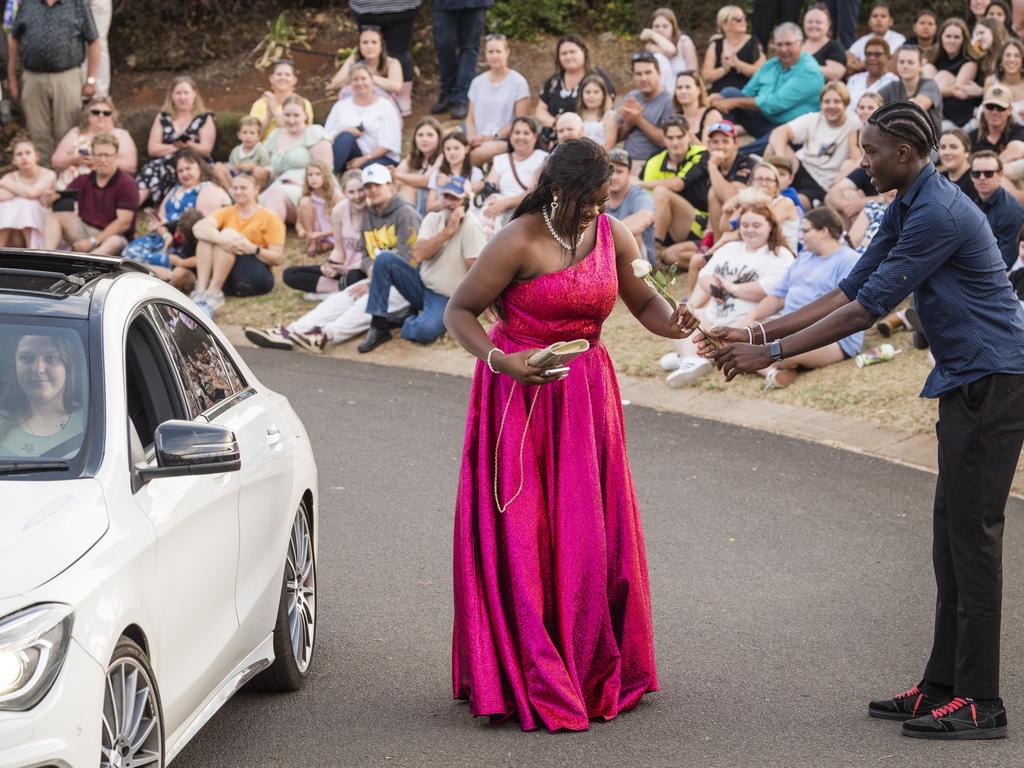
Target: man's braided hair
906	121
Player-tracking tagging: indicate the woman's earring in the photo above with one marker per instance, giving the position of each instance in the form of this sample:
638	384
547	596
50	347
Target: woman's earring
554	204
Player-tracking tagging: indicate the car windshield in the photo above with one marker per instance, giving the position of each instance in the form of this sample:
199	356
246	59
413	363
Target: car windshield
44	397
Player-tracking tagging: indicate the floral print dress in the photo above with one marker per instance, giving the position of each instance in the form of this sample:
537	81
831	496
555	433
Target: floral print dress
158	175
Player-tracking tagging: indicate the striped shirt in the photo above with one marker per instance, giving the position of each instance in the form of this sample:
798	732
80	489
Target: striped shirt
377	7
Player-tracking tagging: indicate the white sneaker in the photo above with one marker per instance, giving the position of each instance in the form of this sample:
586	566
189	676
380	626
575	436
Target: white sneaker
314	341
690	369
215	300
669	361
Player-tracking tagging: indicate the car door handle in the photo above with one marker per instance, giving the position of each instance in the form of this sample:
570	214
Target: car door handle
274	436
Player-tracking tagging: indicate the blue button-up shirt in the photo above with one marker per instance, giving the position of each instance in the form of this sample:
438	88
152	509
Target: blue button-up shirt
936	243
784	94
1006	216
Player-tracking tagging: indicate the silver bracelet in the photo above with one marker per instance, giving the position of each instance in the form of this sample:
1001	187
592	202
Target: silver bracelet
764	336
750	336
493	350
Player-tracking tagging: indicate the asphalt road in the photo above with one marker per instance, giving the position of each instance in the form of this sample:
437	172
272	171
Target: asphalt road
791	583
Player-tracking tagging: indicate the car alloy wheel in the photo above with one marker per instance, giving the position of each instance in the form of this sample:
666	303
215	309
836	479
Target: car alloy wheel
132	732
300	587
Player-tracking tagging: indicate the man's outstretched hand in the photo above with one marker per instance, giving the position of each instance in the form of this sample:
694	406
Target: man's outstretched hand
735	355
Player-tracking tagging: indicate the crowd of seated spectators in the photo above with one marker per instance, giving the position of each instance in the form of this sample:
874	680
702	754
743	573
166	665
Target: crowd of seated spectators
735	158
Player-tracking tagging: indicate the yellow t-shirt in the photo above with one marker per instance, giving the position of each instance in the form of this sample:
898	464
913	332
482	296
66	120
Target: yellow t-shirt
263	228
259	111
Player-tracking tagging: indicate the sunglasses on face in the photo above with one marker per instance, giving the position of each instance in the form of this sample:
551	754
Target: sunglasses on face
995	108
874	54
983	174
101	112
737	19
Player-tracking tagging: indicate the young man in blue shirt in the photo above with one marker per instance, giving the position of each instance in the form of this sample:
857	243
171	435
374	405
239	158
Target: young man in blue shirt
934	242
1004	214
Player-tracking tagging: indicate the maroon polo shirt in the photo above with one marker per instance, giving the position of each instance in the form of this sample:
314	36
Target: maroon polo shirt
98	206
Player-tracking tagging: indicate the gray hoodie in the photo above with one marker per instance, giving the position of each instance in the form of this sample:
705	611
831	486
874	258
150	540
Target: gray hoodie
394	229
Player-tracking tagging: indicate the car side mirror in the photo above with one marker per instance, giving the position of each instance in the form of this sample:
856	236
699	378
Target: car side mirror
192	448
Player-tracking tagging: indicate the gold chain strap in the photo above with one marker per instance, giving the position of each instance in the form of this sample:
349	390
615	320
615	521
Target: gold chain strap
522	446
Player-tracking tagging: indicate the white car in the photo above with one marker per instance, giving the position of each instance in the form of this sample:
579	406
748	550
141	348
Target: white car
158	518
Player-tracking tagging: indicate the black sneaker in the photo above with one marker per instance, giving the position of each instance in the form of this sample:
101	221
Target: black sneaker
459	110
960	719
374	338
906	705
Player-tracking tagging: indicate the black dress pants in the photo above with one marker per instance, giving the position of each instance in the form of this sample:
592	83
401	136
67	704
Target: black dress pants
980	431
768	14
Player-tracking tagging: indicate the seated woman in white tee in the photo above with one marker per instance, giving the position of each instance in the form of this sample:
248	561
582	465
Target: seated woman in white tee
513	174
495	97
827	139
365	128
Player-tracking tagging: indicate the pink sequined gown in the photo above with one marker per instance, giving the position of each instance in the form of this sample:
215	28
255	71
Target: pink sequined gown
552	601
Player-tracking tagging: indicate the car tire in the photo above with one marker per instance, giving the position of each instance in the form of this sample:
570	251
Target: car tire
295	628
133	719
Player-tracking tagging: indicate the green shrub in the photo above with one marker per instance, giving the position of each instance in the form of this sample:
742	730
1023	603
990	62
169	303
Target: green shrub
524	19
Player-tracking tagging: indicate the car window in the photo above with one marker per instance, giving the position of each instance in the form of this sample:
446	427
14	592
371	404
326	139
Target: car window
208	376
44	391
151	397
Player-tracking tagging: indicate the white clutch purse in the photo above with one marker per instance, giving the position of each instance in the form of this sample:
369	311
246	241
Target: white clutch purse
559	353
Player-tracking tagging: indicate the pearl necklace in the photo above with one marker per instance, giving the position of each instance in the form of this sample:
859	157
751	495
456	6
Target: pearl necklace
570	247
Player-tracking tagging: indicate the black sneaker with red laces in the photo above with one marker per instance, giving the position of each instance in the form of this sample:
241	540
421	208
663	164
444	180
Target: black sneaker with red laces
904	706
960	719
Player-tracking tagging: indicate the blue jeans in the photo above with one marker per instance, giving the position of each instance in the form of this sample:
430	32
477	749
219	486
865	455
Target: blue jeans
756	124
390	269
457	36
345	148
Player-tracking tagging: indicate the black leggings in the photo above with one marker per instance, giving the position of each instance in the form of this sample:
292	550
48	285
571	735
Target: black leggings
306	277
396	29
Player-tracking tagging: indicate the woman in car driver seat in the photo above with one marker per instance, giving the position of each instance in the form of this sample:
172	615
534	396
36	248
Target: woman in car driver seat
41	405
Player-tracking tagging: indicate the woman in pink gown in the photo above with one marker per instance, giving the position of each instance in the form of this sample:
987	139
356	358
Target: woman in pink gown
552	602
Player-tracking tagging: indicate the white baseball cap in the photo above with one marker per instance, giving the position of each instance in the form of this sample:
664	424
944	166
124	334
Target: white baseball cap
376	174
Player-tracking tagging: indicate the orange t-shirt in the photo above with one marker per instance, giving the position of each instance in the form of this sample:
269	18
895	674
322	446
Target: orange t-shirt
263	228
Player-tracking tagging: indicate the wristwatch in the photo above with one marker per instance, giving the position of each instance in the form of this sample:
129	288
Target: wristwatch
93	242
775	350
90	80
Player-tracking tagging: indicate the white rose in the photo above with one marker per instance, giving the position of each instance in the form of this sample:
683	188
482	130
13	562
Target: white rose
641	268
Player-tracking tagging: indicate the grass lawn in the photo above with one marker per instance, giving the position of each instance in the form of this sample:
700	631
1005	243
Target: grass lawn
885	394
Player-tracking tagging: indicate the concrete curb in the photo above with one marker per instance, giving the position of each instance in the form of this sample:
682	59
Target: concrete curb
917	451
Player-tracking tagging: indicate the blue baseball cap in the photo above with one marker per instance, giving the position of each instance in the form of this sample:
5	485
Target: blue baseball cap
456	185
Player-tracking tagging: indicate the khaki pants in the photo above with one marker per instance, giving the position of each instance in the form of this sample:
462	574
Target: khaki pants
52	102
102	11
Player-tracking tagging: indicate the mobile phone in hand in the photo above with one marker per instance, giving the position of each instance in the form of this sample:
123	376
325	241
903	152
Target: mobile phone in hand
547	374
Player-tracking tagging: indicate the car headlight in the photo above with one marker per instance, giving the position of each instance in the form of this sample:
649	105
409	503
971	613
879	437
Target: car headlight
33	644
